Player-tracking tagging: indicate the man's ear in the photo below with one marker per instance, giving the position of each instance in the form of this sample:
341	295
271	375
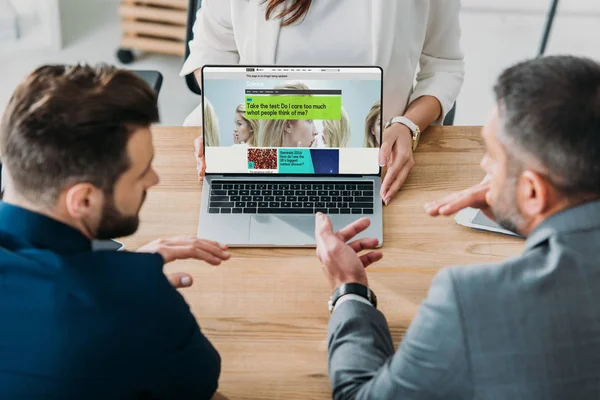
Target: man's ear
83	199
534	193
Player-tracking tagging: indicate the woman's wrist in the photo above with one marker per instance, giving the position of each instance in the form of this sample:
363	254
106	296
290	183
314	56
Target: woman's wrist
404	134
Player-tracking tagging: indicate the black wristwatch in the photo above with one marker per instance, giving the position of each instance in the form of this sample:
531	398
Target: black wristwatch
352	288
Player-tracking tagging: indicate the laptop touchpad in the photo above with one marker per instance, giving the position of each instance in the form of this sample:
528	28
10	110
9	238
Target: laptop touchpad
282	230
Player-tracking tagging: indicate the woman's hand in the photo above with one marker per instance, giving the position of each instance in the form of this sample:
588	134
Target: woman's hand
397	155
199	154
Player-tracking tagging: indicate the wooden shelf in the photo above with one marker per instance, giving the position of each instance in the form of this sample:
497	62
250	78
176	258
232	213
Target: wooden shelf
134	28
177	4
152	45
154	14
157	26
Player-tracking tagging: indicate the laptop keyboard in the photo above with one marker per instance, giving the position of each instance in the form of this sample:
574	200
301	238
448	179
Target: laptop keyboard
227	197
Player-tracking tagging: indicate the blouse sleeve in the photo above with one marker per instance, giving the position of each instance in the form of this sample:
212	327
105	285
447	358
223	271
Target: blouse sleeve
214	41
441	65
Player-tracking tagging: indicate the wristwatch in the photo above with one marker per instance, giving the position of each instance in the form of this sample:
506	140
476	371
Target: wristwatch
414	128
352	288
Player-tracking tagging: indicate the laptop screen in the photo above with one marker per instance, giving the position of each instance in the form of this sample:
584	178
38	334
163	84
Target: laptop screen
292	120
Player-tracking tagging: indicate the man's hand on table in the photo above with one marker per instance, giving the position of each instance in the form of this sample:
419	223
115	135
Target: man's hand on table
184	248
475	197
340	261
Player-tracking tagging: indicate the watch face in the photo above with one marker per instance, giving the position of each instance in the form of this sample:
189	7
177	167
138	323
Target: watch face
416	137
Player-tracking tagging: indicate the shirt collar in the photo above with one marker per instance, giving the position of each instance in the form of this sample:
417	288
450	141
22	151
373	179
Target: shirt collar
42	231
579	218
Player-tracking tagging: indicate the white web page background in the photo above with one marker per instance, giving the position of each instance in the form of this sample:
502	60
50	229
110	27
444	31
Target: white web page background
357	99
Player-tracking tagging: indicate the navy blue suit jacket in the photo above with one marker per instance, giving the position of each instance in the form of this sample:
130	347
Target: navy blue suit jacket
81	324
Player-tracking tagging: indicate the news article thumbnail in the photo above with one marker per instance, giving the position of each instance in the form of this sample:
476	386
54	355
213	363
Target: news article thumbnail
262	159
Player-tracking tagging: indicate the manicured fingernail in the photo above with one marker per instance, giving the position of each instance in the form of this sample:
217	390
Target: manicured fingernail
223	246
226	254
386	201
382	162
186	281
443	209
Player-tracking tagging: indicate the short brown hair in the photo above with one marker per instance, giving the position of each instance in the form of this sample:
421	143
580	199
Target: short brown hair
71	124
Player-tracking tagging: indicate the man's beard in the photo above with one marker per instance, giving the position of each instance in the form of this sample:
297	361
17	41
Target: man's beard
114	224
506	210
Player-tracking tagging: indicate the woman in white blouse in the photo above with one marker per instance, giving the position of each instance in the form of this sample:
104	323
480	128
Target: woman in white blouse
416	42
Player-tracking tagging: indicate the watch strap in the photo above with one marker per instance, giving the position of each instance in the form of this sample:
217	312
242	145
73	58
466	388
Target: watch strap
414	128
404	121
352	288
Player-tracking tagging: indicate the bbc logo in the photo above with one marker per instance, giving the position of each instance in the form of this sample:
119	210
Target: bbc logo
250	69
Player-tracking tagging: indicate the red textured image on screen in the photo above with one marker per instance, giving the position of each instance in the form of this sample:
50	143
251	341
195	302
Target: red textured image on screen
263	158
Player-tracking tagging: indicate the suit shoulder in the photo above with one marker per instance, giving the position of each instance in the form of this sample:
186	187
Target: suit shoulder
488	272
489	286
124	261
120	273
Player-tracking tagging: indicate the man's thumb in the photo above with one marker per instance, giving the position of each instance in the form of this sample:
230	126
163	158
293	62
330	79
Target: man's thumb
180	280
322	225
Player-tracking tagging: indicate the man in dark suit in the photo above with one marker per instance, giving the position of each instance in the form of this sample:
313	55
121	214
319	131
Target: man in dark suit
76	324
525	328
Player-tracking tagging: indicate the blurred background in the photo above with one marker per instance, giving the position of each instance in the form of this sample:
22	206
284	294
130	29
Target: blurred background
495	34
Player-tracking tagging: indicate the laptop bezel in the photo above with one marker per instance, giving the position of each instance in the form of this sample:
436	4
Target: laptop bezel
289	175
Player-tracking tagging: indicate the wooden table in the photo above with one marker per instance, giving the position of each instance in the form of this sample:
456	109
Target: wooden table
265	310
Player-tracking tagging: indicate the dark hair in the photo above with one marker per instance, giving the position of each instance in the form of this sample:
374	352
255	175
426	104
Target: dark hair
550	109
71	124
296	11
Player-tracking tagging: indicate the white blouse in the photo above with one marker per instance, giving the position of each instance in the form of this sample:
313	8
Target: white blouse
347	44
416	42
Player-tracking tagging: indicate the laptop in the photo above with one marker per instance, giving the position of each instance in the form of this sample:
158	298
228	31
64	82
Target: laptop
283	143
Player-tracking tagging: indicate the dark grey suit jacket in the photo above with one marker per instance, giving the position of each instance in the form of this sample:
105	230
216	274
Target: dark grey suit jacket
528	328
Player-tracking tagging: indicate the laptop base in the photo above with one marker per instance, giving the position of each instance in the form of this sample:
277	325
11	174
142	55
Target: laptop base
279	230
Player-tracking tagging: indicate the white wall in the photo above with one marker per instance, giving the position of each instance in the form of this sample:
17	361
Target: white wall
537	6
39	26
